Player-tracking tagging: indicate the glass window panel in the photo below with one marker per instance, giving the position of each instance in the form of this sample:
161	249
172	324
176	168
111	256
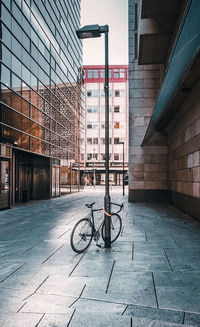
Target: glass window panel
5	94
16	84
26	41
25	91
16	48
6	17
89	141
5	76
33	82
6	36
26	26
16	101
16	66
16	12
26	75
25	107
26	59
7	3
16	29
6	56
102	73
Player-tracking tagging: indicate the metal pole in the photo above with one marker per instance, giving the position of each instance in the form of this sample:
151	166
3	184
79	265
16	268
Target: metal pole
70	177
107	196
94	169
123	170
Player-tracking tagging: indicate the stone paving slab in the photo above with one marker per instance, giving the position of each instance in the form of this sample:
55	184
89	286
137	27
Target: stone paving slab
149	277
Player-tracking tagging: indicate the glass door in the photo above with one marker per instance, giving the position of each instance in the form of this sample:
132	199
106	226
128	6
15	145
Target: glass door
4	184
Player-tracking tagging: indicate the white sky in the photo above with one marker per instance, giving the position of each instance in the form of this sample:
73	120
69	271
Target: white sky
106	12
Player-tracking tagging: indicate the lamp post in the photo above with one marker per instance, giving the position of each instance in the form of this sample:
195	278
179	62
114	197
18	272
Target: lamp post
94	170
92	31
123	167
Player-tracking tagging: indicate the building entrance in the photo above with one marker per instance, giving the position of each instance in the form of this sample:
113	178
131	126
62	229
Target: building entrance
4	184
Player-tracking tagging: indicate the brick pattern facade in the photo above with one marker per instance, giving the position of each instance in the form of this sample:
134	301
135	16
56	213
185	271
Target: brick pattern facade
184	149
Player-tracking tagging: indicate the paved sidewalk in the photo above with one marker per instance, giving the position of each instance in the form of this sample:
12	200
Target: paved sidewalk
150	277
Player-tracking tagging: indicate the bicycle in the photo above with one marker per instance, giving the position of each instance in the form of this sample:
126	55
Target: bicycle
85	230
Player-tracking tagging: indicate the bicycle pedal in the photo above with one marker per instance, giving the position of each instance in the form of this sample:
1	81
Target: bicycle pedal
99	246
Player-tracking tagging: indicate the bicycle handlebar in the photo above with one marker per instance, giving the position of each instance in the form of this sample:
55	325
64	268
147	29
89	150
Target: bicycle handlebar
119	205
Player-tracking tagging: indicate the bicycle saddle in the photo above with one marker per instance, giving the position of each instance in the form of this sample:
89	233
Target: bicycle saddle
89	205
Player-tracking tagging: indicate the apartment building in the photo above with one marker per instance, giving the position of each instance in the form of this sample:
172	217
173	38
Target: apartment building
41	115
93	156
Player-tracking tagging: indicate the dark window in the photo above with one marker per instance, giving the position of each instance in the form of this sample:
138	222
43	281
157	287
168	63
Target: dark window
89	141
136	45
116	140
116	109
117	93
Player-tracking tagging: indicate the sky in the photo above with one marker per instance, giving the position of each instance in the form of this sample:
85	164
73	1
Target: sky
106	12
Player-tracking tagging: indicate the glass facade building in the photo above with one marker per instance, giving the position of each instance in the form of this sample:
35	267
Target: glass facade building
41	116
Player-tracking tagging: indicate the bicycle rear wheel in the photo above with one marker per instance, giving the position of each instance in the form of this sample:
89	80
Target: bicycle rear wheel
115	227
81	235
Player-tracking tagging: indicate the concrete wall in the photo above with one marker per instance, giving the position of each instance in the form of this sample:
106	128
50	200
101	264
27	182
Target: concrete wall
147	164
184	155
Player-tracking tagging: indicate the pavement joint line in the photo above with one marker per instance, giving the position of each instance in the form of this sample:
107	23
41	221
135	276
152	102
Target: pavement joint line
77	263
63	233
125	309
175	241
154	286
71	318
3	256
183	318
32	247
53	254
51	228
78	298
82	291
132	251
110	277
12	273
36	289
168	260
21	307
146	235
40	320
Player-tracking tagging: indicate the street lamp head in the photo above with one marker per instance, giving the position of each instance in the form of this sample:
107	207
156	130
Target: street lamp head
89	31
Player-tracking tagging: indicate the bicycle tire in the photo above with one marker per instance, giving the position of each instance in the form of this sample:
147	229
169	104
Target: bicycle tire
81	235
116	227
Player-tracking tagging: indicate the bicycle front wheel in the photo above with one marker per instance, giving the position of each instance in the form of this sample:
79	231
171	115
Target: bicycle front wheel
115	227
81	235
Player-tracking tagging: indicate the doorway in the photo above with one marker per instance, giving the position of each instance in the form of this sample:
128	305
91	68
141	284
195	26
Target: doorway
4	184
